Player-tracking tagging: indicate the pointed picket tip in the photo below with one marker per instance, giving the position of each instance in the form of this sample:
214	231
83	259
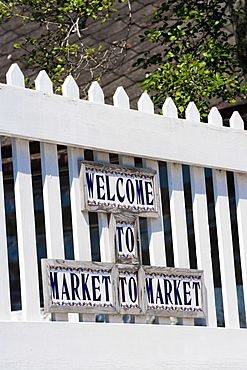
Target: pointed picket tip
145	104
14	76
214	117
169	108
192	113
43	83
70	89
236	121
95	93
121	99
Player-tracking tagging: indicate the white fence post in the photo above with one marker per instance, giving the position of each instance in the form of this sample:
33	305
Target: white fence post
201	227
177	207
156	235
240	180
51	191
25	217
224	233
4	269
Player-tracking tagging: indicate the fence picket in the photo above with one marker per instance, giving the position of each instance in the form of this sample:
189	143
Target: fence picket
25	216
14	76
202	238
26	230
96	95
192	113
4	269
240	181
43	83
51	192
169	108
121	99
155	226
224	233
70	89
201	227
177	206
80	220
236	121
145	104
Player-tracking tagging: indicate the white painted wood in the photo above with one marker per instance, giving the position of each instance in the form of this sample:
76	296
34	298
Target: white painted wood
201	227
105	249
26	230
25	216
241	204
15	76
236	121
4	269
43	83
121	99
178	215
52	201
157	252
214	117
80	220
51	192
145	104
52	206
56	120
95	93
224	233
42	346
202	239
127	161
169	108
155	226
192	113
70	88
177	202
178	220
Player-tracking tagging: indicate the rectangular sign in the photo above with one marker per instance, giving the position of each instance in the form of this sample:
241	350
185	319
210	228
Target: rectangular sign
174	292
71	286
114	188
93	287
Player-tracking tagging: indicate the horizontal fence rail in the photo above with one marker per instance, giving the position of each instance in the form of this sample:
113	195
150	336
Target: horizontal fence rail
202	194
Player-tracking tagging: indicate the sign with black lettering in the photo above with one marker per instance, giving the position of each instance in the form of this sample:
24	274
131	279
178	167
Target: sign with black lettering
71	286
113	188
174	292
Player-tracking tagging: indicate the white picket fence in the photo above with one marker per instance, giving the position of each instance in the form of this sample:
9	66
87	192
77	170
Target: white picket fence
39	115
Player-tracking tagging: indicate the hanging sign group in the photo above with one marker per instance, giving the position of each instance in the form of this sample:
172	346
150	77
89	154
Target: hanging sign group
73	286
124	286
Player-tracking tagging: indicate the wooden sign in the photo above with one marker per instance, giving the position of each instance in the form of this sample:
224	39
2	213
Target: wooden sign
124	233
174	292
71	286
113	188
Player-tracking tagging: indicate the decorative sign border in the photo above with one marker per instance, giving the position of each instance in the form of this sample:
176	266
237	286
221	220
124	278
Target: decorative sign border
105	188
71	286
93	287
125	241
174	292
